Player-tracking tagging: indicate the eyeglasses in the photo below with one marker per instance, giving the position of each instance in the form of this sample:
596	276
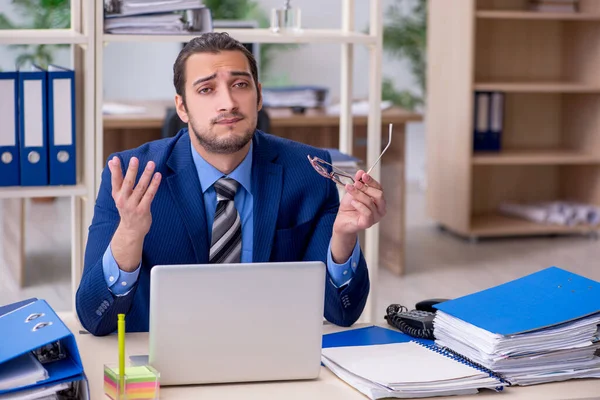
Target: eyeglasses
337	175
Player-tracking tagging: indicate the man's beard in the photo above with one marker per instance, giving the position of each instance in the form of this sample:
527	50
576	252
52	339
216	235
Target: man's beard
212	143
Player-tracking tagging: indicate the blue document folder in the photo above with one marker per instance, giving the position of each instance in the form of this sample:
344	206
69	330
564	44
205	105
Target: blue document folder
9	129
61	126
33	136
30	325
540	300
368	336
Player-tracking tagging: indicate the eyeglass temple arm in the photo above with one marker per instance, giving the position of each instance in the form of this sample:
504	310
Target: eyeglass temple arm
384	150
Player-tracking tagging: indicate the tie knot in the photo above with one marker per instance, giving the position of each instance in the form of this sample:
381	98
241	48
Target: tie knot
226	188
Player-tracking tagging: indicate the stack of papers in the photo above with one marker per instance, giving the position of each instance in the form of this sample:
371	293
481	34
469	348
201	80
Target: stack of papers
295	96
382	363
158	23
24	370
131	7
555	212
152	17
537	329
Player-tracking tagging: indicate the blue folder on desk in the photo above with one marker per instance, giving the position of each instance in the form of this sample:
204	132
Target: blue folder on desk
30	325
368	336
543	299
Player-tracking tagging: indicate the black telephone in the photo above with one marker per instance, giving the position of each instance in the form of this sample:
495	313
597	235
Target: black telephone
417	323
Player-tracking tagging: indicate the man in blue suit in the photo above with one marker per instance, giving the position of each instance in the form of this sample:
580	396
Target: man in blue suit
220	191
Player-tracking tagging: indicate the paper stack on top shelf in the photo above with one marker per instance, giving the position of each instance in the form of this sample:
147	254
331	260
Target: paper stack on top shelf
138	7
156	17
537	329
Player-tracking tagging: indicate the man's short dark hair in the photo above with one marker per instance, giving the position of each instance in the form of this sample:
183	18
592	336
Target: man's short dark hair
210	42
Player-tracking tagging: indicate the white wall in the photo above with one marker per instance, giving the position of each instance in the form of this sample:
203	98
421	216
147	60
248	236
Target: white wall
145	71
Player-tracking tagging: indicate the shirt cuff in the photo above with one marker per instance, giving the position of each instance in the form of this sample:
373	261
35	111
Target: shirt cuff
119	282
342	274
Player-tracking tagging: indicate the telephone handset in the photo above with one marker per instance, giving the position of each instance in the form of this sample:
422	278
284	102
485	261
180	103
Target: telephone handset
416	323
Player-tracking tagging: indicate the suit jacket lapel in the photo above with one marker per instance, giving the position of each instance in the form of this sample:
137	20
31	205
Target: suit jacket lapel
187	195
267	186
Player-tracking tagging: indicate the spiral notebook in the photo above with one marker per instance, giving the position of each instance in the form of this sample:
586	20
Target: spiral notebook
396	365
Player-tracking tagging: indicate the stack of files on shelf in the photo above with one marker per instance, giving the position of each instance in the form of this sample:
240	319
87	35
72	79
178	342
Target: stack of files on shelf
156	17
554	212
385	363
566	6
540	328
489	121
37	127
39	358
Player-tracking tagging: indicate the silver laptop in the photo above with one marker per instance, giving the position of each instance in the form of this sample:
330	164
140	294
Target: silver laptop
236	322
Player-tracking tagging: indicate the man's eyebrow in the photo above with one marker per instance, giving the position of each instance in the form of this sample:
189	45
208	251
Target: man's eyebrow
206	78
240	73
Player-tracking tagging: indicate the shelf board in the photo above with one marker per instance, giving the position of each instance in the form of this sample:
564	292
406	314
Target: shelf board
41	36
537	87
536	15
258	36
500	225
534	157
15	192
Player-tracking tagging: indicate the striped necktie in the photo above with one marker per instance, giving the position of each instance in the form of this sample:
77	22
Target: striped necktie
226	242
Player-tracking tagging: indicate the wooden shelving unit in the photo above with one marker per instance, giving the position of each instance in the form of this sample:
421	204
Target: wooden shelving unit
80	37
546	64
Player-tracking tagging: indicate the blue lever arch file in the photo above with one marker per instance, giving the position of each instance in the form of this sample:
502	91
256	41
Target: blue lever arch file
9	129
540	300
32	126
30	325
61	126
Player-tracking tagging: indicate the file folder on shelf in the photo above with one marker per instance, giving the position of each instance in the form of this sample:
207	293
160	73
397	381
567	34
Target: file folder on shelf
33	128
488	121
9	132
61	126
31	329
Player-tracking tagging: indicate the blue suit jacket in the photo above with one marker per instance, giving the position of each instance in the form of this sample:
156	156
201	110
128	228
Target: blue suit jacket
294	211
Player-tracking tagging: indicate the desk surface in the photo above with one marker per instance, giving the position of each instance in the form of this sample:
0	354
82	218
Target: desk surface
97	351
155	112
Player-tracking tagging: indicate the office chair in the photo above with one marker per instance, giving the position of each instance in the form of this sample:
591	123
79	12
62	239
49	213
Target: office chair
173	124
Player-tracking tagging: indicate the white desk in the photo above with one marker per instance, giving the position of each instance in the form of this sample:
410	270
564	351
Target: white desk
97	351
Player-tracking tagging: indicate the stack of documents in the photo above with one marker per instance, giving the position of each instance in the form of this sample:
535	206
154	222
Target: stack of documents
295	96
537	329
554	212
157	17
383	363
137	7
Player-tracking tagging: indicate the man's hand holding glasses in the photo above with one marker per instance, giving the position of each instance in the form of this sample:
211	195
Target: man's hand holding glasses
362	206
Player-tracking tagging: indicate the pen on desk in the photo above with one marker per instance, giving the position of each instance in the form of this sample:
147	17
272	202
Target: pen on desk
121	329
